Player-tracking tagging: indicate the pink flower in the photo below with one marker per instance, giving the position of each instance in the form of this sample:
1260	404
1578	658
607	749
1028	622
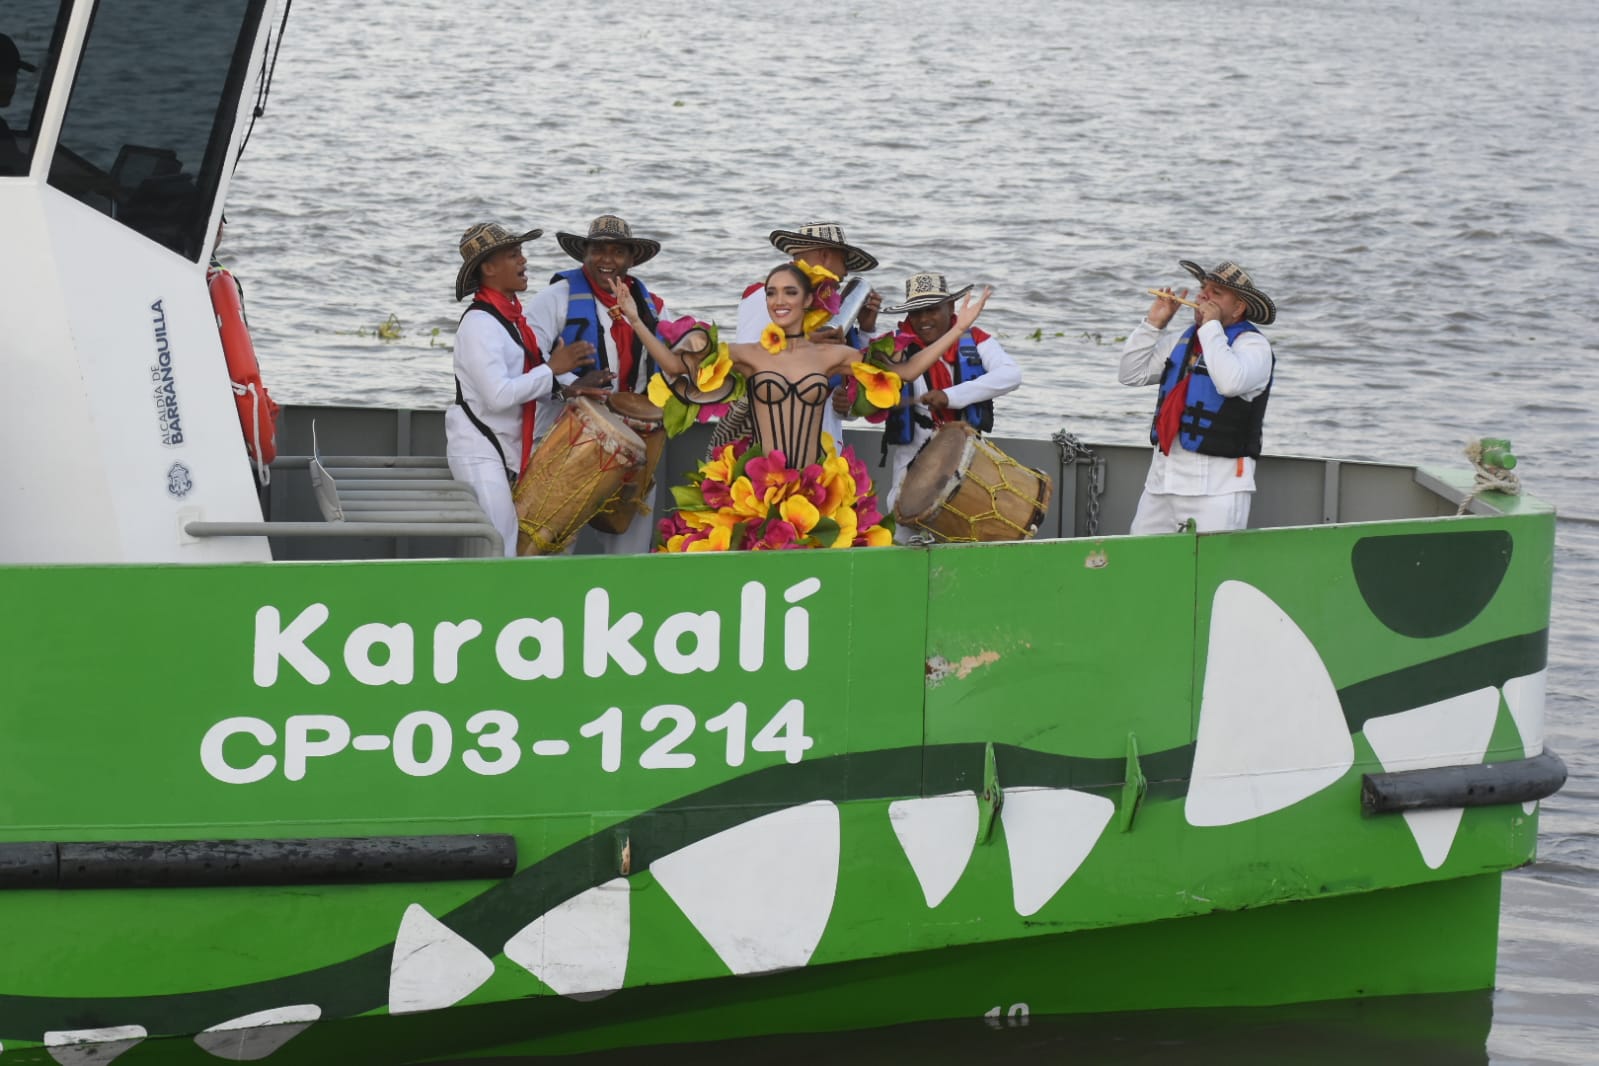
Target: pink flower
771	477
778	534
716	494
866	511
710	412
811	484
672	331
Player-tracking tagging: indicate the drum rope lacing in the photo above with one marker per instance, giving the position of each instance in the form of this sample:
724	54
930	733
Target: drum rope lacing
1073	450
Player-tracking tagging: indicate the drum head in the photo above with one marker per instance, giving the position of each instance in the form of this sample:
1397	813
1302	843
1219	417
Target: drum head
936	472
632	405
616	434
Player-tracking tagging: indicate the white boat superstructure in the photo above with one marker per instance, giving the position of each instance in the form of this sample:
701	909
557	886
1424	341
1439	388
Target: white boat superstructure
123	427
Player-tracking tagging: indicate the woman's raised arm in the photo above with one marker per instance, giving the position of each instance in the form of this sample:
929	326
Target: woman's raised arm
664	357
923	361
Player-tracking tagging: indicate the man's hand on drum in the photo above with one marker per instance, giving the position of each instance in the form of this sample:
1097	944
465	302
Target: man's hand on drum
933	400
595	384
569	357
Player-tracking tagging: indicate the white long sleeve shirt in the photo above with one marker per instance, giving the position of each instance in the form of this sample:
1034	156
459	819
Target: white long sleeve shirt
1000	375
488	364
1240	369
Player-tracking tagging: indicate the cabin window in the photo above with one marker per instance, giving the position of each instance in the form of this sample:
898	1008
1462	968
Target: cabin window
145	137
30	42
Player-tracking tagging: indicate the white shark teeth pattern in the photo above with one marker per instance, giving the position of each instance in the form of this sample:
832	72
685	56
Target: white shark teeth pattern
1525	698
579	947
1451	732
1049	832
938	834
80	1047
1271	729
433	965
760	893
255	1036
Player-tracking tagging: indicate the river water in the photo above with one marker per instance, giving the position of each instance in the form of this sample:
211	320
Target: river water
1413	184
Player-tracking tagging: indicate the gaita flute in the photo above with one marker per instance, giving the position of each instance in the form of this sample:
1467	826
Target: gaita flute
1169	296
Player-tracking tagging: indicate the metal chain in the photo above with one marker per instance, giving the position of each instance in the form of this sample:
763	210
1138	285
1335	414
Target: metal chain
1073	450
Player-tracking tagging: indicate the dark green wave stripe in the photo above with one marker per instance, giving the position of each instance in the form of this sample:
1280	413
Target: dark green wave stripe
1487	665
360	984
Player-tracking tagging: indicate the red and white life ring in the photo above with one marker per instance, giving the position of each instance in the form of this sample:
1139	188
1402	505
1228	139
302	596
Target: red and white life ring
257	413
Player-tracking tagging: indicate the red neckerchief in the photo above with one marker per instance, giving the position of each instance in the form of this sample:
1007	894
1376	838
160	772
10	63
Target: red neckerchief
511	308
1169	419
941	375
621	333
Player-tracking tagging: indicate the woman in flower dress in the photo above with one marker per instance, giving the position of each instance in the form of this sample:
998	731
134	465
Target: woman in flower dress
792	485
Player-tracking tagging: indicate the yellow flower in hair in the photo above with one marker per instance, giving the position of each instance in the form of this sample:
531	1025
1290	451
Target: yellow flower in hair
882	386
714	371
659	391
816	316
773	339
817	274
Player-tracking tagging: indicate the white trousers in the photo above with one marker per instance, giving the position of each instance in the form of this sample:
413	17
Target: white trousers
1163	512
487	480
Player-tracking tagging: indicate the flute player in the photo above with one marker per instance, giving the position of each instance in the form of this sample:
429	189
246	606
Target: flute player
1215	378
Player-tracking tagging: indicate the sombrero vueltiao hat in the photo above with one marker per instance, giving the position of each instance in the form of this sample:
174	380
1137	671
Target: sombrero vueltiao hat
823	235
481	240
926	290
608	228
1258	307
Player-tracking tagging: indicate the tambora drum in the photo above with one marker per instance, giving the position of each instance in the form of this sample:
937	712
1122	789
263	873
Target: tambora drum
643	418
577	469
960	487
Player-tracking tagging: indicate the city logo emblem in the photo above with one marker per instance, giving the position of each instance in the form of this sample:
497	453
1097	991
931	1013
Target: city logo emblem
179	483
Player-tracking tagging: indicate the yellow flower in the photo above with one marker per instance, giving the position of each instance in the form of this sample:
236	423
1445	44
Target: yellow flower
714	371
720	467
746	503
720	540
660	392
829	447
879	537
711	519
839	485
817	274
847	521
773	339
800	513
882	386
815	317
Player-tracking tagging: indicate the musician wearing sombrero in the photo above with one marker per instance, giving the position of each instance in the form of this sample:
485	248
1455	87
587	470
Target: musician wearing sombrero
1215	378
960	386
578	306
501	373
817	244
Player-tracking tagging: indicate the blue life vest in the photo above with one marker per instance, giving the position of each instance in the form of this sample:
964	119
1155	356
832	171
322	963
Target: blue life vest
584	322
1212	424
968	367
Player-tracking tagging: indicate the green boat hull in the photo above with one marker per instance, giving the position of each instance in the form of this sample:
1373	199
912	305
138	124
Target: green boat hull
798	792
